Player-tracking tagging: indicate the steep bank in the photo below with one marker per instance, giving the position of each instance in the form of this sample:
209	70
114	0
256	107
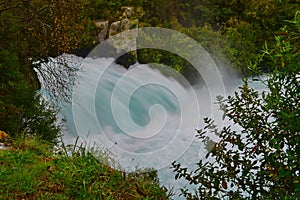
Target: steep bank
31	171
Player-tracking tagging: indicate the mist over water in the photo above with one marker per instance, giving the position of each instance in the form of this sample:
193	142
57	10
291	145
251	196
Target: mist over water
147	120
137	114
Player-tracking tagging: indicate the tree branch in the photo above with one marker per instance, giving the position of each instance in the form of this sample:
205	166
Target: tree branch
9	8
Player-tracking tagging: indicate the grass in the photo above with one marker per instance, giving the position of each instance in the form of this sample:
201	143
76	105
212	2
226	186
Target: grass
30	170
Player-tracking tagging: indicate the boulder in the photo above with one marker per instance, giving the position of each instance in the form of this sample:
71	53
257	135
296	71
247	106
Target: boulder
120	44
127	12
114	28
103	27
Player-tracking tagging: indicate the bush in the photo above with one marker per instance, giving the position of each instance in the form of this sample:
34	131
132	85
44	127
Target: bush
21	109
258	156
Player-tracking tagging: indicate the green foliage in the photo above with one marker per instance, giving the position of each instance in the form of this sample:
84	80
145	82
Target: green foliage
32	31
245	25
162	57
217	45
31	171
37	29
258	156
241	38
22	110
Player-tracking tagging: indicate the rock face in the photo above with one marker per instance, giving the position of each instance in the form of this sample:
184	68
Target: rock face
128	12
104	28
125	42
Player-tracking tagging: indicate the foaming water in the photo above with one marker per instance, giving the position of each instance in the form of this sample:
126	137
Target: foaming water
145	119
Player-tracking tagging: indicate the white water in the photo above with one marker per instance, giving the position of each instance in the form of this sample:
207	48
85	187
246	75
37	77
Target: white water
144	118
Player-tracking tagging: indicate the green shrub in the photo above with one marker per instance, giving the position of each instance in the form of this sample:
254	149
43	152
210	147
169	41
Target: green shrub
22	111
258	157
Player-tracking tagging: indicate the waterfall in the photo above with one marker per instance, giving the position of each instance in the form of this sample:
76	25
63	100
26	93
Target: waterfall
145	119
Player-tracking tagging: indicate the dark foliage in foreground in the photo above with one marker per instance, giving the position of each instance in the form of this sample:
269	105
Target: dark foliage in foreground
258	156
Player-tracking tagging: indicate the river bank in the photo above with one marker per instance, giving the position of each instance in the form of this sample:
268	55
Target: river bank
30	170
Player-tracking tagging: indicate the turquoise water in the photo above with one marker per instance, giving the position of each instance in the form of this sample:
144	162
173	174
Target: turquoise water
145	119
